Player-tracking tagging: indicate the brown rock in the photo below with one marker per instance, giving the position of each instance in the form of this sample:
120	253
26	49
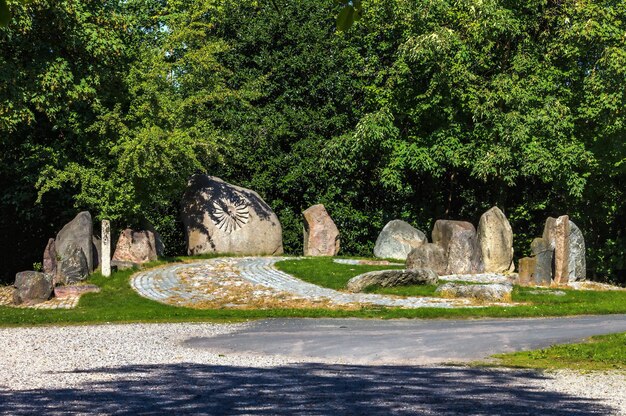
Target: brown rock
224	218
136	247
50	258
526	275
427	256
495	239
556	232
32	288
321	236
460	245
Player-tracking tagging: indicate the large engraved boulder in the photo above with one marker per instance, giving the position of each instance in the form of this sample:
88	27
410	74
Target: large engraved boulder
321	236
460	245
224	218
136	247
567	242
495	239
32	288
77	233
428	256
397	239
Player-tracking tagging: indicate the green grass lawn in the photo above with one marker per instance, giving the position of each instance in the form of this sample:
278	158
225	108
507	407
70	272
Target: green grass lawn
117	302
605	352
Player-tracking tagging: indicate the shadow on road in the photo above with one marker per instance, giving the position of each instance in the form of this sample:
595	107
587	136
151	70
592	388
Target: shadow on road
315	389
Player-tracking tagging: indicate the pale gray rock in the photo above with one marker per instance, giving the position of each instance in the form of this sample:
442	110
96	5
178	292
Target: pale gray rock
397	239
460	245
224	218
392	278
32	288
136	247
496	292
544	255
577	263
321	236
73	266
78	232
495	239
428	256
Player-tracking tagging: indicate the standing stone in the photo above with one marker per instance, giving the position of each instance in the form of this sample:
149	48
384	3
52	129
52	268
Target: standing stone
495	239
50	258
428	256
397	239
135	247
78	232
544	254
32	288
460	245
105	260
73	266
527	267
577	263
223	218
321	236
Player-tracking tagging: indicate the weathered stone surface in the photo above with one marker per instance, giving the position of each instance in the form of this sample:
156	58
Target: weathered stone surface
105	259
460	245
526	275
160	247
63	292
577	263
397	239
136	247
50	258
391	278
321	236
32	288
544	255
568	244
427	256
497	292
224	218
73	266
78	232
495	239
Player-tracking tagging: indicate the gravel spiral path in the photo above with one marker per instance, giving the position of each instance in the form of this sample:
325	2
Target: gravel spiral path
183	284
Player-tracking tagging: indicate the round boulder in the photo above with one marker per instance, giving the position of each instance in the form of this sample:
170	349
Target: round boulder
136	247
397	239
427	256
224	218
32	288
460	245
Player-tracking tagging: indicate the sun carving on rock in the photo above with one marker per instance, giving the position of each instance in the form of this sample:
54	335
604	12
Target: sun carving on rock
230	215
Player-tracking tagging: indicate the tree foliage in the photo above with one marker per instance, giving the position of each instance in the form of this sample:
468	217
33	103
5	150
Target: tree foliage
422	110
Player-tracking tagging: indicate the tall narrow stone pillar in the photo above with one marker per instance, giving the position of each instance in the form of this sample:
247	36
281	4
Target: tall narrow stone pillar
106	249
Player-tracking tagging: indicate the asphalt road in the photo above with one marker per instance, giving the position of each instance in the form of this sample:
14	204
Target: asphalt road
360	341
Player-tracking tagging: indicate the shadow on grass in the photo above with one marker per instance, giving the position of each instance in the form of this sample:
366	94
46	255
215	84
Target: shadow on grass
316	389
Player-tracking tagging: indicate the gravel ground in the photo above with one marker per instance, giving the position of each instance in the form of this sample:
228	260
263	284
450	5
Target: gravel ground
143	368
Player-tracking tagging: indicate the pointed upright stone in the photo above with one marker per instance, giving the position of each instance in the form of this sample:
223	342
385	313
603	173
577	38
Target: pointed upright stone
567	241
50	258
321	236
77	233
495	239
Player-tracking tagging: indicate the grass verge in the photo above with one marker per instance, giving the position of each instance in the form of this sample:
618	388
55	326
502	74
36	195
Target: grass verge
118	302
604	352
